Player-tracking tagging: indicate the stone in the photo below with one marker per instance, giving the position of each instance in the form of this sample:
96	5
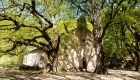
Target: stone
36	58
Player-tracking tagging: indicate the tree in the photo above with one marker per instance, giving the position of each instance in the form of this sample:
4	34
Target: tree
113	43
32	22
101	14
131	22
126	25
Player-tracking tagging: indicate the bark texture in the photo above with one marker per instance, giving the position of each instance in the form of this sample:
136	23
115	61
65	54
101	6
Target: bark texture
136	51
97	33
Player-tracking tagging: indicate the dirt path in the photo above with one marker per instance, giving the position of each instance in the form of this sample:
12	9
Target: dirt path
40	75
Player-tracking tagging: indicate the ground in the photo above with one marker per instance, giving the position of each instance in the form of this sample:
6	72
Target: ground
42	75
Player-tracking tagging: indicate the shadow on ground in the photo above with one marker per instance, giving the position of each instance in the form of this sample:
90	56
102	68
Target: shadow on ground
41	75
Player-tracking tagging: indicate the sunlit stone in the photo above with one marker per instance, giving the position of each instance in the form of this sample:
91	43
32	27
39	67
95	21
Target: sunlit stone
72	55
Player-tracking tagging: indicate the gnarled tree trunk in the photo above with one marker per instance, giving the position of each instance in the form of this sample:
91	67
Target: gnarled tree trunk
136	51
134	55
133	51
97	33
54	55
100	65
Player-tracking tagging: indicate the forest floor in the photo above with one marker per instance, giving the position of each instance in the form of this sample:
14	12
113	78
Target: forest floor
41	75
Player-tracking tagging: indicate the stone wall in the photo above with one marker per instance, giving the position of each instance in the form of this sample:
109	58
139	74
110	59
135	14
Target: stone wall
36	57
77	50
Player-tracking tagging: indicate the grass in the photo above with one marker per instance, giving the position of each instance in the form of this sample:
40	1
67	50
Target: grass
55	73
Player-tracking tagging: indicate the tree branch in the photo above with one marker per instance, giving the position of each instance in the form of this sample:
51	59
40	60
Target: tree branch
28	42
102	4
86	11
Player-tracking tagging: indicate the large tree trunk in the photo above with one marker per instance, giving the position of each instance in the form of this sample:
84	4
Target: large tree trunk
98	44
137	61
53	64
100	65
54	55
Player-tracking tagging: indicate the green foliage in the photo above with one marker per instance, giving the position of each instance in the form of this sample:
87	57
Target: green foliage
113	40
113	43
26	33
7	33
81	22
89	26
67	38
8	61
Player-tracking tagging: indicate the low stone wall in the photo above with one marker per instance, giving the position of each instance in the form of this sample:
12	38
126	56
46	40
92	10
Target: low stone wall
37	58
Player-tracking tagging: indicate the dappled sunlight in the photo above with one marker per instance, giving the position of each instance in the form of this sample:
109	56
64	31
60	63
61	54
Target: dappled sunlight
121	75
36	58
40	75
75	50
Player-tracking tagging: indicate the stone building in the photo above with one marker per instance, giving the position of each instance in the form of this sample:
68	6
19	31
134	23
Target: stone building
74	50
